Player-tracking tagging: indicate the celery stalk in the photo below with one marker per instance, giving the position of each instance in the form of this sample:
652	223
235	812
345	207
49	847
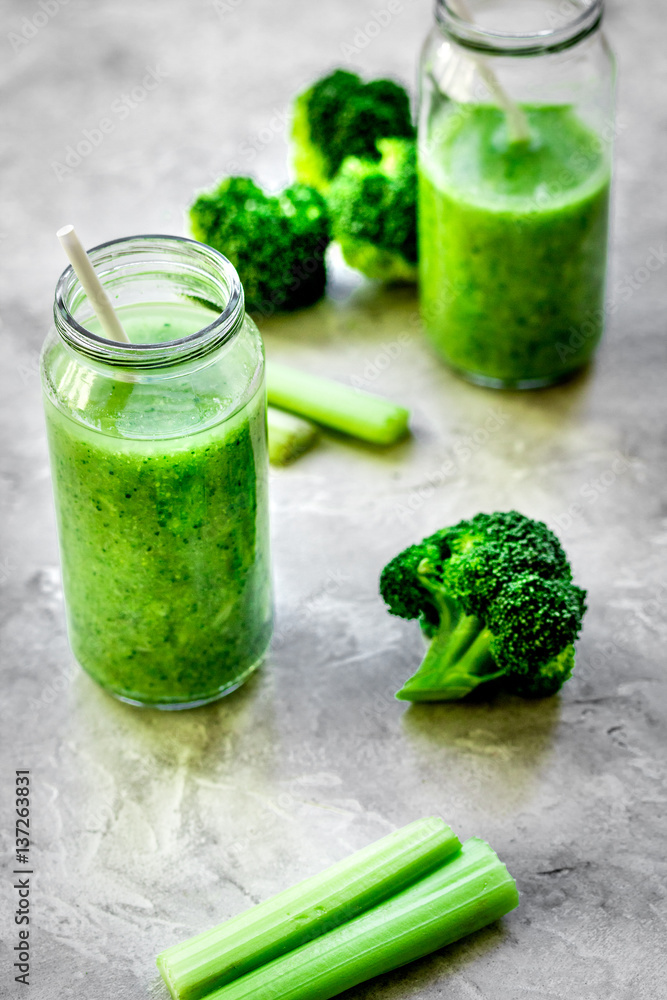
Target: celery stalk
195	967
468	892
335	405
289	436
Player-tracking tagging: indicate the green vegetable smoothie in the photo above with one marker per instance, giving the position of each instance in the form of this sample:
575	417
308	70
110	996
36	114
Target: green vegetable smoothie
513	244
163	535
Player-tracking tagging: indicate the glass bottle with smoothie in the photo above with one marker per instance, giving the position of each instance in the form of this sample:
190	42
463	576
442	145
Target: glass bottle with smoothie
515	135
159	465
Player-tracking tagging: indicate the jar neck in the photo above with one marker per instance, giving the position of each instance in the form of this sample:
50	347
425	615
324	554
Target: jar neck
158	269
551	26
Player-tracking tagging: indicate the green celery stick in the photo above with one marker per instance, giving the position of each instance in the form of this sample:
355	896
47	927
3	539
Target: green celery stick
469	891
311	908
335	405
289	436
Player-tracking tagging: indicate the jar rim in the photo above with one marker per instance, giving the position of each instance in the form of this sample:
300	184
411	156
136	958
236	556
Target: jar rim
142	357
552	39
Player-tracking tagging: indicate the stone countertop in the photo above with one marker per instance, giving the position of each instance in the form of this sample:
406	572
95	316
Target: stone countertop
148	827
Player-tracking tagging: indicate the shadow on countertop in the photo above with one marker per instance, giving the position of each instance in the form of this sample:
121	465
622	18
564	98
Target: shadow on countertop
497	746
197	738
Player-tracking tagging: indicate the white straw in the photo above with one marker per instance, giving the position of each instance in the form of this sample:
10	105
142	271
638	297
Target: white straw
92	286
517	123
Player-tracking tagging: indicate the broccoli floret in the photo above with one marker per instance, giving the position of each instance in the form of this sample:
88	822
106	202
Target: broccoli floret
494	595
341	116
277	244
374	214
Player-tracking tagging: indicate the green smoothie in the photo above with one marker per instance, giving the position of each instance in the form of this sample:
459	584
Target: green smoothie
163	534
513	244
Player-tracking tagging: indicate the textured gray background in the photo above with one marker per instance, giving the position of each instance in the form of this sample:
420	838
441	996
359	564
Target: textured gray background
148	826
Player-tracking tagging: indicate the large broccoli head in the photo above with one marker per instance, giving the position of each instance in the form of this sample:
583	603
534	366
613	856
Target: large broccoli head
276	243
495	597
342	116
374	213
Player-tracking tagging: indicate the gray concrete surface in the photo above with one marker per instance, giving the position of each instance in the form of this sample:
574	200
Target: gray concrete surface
148	827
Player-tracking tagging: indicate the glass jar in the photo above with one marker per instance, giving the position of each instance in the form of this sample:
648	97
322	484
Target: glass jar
515	136
159	466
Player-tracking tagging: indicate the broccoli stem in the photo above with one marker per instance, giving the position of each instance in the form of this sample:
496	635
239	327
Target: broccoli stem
469	891
210	960
289	436
335	405
458	659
